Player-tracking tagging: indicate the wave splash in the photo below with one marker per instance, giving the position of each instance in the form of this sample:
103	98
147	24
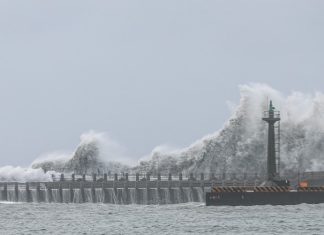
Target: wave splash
239	147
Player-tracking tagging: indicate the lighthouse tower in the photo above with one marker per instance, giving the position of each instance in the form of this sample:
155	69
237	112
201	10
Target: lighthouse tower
271	117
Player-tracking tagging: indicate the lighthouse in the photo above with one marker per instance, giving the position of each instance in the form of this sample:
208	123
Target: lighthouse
271	117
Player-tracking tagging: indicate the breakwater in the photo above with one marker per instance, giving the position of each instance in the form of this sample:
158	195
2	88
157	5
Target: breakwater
110	189
120	189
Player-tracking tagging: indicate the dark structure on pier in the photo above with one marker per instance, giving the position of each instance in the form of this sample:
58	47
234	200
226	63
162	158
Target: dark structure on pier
271	117
274	190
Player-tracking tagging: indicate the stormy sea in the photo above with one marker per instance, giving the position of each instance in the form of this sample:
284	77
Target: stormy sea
188	218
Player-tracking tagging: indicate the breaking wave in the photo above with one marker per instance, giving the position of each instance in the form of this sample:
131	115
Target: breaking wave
239	147
21	174
96	153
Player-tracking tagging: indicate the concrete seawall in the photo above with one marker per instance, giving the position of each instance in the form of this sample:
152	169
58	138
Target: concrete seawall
118	189
115	189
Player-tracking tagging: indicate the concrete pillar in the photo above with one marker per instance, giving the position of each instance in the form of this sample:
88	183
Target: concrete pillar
49	194
180	176
182	198
16	192
28	193
116	191
148	194
62	177
126	176
126	191
224	176
137	194
5	192
73	177
191	176
94	177
71	193
159	177
61	194
202	176
93	194
82	192
170	177
105	193
115	177
137	176
148	177
39	194
212	176
83	177
105	177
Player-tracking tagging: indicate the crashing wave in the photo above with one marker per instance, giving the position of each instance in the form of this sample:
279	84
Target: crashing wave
89	157
240	146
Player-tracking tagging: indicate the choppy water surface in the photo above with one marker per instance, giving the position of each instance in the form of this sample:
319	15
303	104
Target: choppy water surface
193	218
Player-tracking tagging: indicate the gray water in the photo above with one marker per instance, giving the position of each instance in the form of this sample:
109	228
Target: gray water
188	218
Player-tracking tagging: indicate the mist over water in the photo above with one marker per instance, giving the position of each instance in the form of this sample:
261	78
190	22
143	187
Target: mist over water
239	147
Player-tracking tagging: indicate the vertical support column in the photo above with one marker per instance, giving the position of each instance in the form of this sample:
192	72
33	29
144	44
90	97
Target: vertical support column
49	194
105	177
169	188
93	192
93	188
16	192
105	193
158	192
148	177
126	191
181	193
83	177
137	193
148	195
73	177
28	193
126	176
115	188
62	177
71	192
39	196
191	176
60	193
5	192
82	191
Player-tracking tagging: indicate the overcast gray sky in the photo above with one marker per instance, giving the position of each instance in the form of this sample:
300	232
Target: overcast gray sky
146	72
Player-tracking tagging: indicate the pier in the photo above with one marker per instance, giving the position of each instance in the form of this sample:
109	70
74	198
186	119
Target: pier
129	189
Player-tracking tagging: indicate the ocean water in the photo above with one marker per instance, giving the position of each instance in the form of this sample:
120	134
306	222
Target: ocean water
190	218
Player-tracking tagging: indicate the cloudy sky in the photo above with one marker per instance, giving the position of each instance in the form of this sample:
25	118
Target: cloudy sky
146	72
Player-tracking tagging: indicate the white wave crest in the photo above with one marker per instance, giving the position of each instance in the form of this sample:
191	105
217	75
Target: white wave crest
20	174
